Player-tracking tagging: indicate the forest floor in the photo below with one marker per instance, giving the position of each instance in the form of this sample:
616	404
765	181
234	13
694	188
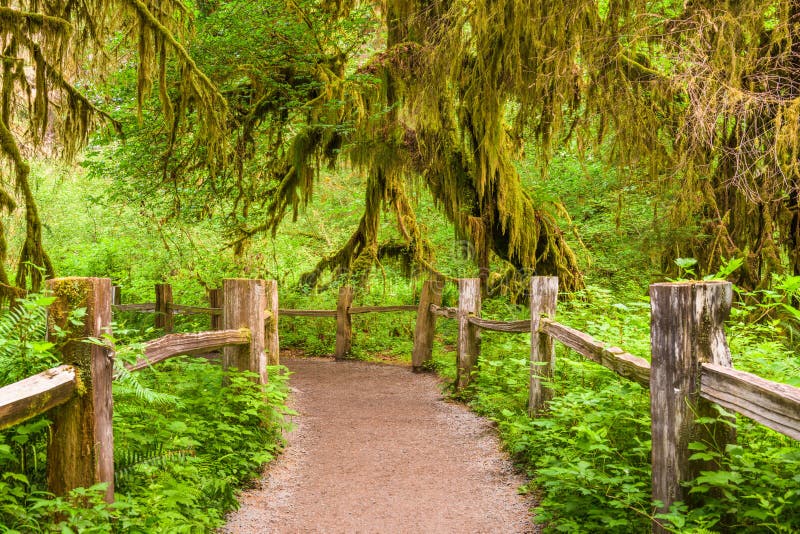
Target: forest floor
376	448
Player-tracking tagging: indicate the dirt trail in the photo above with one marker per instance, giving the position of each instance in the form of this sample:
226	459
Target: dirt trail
377	449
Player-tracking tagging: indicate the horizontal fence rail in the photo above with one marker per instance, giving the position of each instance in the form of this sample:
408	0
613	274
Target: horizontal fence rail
35	395
772	404
510	327
626	365
173	345
193	310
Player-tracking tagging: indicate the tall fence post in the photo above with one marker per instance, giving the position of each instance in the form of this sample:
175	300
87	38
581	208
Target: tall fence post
271	341
686	330
215	301
344	323
245	303
164	318
426	324
469	302
81	449
543	298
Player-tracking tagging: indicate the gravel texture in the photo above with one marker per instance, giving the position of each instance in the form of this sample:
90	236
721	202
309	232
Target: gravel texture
376	448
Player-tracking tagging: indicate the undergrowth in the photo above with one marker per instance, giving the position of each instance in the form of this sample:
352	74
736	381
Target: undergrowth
184	443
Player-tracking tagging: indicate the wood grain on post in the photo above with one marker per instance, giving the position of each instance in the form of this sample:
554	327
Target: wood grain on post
81	450
544	297
426	324
245	302
469	302
344	323
215	301
271	341
164	318
686	331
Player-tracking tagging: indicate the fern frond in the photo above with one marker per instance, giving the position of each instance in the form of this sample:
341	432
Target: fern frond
128	383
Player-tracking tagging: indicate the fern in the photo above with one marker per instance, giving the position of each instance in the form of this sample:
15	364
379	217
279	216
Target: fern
24	350
127	462
129	384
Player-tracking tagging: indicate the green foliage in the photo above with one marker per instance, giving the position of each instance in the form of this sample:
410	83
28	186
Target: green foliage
178	468
23	349
376	336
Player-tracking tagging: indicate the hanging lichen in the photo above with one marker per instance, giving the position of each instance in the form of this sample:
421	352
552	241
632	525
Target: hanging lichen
699	100
47	48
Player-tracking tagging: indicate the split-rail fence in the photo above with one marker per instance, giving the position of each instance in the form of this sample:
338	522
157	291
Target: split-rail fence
690	367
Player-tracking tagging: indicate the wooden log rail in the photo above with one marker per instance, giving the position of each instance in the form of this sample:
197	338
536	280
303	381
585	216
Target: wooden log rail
774	405
510	327
172	345
354	310
35	395
624	364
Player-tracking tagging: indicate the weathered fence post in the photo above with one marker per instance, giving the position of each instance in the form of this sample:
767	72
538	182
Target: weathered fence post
116	295
426	324
469	302
245	303
81	450
271	341
164	318
215	301
543	298
686	330
344	323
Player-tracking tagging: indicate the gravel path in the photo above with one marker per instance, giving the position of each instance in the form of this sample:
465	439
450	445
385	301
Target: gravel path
377	449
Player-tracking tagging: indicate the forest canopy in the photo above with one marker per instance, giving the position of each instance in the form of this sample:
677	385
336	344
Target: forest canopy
237	105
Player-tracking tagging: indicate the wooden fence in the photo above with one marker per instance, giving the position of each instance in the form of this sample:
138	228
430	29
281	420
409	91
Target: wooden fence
165	310
690	368
690	365
78	393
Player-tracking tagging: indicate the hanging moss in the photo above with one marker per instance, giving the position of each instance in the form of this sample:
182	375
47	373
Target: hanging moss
55	42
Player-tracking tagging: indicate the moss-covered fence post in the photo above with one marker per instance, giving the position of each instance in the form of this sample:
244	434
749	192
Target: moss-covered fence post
81	450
